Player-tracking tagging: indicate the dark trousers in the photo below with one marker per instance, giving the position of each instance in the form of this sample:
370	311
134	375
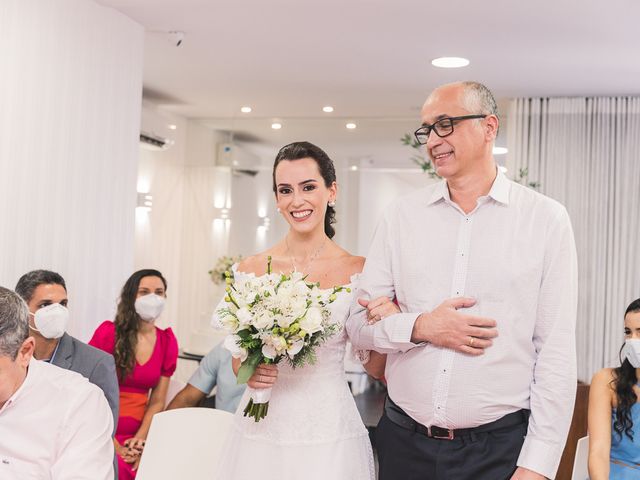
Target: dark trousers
404	454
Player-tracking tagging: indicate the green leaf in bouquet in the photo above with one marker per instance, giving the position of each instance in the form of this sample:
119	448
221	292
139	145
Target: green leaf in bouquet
249	366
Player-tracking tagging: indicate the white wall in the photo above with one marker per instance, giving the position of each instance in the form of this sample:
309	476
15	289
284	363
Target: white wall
70	88
377	190
158	236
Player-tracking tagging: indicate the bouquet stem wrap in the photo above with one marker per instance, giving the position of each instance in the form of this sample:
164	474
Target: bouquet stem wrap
258	404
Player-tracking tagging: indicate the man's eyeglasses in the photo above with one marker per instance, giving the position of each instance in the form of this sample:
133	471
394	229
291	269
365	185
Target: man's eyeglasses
442	128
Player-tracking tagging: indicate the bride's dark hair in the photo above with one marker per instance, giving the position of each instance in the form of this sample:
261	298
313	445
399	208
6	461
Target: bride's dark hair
624	378
299	150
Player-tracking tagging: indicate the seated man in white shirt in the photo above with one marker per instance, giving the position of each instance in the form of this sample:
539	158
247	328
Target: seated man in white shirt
214	370
54	424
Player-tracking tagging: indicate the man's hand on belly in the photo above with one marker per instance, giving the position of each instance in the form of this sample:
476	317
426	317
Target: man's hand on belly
447	327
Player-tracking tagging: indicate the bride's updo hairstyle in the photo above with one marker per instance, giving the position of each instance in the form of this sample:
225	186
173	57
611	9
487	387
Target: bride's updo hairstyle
300	150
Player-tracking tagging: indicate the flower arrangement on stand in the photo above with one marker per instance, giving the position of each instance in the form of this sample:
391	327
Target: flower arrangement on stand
271	318
223	266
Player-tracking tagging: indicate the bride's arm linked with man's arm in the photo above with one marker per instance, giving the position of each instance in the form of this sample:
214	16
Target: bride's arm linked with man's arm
444	326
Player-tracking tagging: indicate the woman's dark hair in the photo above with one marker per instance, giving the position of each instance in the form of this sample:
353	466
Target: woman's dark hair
127	321
299	150
624	378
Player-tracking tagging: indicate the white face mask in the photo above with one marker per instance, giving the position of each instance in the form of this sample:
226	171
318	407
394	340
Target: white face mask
51	321
631	351
149	307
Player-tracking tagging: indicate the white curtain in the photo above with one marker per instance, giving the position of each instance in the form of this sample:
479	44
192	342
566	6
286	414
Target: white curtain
70	95
585	154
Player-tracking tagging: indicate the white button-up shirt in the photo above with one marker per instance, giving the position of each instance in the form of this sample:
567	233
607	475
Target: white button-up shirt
515	254
57	425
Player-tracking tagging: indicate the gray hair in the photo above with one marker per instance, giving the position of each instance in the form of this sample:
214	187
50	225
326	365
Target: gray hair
14	323
478	98
32	280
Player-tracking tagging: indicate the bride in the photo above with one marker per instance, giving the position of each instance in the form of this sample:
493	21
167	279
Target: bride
313	429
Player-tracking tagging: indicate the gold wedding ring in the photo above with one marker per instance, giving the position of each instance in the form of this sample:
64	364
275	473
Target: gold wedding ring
471	340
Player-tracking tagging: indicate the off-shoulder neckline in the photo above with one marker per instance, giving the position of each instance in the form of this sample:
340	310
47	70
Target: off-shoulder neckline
352	279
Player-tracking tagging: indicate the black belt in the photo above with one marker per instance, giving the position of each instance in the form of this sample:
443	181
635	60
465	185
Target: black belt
400	418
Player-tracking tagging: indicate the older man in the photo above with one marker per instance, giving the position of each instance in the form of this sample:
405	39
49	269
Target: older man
54	424
481	361
46	295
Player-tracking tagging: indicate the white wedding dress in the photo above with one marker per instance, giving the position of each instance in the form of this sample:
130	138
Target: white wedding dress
313	429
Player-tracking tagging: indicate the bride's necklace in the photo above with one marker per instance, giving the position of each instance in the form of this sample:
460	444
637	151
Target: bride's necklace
305	267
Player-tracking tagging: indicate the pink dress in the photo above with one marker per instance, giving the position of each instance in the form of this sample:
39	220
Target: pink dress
135	388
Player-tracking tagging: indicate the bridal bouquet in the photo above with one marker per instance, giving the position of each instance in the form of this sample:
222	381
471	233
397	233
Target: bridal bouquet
271	318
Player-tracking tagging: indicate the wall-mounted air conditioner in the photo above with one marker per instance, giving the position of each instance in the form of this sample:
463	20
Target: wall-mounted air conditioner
154	142
238	159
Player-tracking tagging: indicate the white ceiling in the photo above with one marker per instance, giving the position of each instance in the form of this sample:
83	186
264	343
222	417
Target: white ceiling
370	59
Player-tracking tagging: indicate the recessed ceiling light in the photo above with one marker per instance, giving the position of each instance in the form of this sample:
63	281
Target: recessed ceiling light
500	150
245	109
276	126
353	168
450	62
172	127
327	109
350	126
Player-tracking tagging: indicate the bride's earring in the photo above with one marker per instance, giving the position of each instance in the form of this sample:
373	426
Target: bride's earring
331	204
278	209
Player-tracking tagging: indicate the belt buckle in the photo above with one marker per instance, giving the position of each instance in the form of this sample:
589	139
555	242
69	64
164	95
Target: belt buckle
440	433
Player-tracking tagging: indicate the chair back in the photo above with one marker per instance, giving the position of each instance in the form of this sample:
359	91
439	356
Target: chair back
184	443
581	460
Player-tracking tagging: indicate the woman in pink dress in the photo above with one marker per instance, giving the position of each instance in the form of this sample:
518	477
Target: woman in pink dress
145	357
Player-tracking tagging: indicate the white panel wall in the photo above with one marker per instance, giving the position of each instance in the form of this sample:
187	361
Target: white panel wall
70	93
378	189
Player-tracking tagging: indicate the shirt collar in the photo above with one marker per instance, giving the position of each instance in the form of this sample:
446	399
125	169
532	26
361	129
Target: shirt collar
53	355
440	192
499	190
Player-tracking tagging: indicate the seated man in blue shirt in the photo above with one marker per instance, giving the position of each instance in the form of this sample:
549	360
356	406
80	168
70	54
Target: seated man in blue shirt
215	369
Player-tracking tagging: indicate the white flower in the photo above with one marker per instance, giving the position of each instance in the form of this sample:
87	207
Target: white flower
312	321
244	316
263	320
269	351
227	321
231	343
284	321
279	343
296	276
297	306
295	348
285	289
301	288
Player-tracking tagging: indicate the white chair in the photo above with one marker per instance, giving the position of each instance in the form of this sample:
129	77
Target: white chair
581	460
175	386
184	443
